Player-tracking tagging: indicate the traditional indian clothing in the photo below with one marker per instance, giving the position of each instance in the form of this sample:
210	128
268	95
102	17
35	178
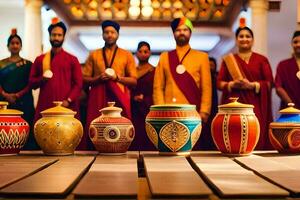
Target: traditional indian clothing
195	85
205	141
145	76
287	79
14	78
122	62
189	86
66	82
257	70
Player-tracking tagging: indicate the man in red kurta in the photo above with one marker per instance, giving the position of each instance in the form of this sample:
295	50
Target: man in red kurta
287	80
57	73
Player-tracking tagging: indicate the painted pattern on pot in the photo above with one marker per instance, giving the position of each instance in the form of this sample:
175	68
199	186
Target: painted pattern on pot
173	128
235	129
58	132
284	133
14	130
111	133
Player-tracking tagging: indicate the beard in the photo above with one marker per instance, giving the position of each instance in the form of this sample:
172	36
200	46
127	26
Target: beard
182	40
56	43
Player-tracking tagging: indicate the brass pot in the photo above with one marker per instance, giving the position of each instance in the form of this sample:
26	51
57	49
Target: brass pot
58	132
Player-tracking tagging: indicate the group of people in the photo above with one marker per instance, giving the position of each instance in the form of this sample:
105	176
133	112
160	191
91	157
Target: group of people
183	75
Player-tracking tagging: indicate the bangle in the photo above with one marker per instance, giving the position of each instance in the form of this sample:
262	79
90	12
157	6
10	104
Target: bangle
257	87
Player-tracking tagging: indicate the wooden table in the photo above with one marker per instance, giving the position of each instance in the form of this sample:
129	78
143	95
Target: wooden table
202	175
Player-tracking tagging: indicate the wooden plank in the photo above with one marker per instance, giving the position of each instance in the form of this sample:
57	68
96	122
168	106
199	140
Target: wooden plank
282	170
56	180
15	168
231	180
173	176
110	176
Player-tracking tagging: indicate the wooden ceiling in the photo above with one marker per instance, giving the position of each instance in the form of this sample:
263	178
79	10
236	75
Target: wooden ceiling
209	13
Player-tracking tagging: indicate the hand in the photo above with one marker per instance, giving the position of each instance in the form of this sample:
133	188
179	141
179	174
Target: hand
204	116
139	98
65	103
11	98
247	85
104	77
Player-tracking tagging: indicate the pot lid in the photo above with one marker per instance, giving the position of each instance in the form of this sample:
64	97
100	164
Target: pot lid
289	115
290	109
58	110
111	107
5	111
235	104
173	106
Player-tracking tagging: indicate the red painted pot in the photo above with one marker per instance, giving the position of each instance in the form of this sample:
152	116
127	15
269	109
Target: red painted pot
14	130
235	129
111	133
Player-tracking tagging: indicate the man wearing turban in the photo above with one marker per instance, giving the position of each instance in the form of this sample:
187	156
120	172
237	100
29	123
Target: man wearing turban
183	74
57	73
109	72
287	79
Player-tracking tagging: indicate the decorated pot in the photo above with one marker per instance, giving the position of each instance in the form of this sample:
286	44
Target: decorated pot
58	132
14	130
235	129
173	128
110	132
284	133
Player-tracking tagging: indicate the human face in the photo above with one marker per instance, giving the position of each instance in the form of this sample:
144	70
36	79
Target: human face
143	54
296	45
182	35
57	37
244	40
15	46
110	35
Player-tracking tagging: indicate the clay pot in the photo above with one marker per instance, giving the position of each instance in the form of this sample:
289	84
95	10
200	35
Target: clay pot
235	129
284	133
14	130
58	132
173	128
111	133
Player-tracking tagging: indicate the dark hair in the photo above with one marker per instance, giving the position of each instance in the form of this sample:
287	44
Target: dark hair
237	32
296	34
59	24
12	37
143	43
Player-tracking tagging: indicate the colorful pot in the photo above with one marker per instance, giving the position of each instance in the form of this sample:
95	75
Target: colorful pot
235	129
111	133
58	132
14	130
284	133
173	128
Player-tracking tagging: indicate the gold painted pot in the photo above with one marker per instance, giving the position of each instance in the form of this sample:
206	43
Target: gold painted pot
284	133
58	132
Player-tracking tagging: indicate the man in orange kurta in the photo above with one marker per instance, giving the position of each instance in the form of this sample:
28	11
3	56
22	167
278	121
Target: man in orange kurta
109	72
183	75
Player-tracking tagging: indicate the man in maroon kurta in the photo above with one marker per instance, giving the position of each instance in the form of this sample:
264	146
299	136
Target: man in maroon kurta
287	79
57	74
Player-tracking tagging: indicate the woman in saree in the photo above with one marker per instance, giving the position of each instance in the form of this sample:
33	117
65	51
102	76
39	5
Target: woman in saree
14	75
248	75
141	98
